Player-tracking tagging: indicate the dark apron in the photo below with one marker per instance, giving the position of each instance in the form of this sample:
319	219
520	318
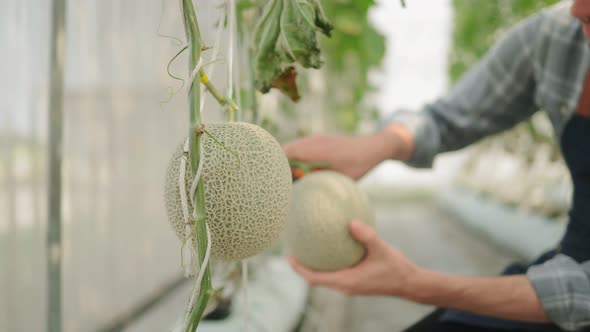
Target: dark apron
576	240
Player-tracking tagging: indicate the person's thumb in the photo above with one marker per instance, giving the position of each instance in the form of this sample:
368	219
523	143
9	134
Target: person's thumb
365	234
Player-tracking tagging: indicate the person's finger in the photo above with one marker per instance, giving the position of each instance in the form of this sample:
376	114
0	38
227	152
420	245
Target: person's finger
365	234
334	279
291	150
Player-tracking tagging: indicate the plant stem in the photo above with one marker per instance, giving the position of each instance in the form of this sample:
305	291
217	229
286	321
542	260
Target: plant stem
195	131
253	101
199	227
251	87
243	25
232	107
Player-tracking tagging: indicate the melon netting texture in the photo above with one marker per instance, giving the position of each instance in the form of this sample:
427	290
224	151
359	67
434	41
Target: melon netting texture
246	199
323	205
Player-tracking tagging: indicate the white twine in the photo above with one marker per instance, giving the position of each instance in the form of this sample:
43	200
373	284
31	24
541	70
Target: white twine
189	268
199	172
231	12
200	276
213	58
194	73
245	286
230	48
233	82
181	185
207	254
188	229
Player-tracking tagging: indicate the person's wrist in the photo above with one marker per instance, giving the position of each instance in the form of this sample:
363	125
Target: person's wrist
417	288
398	142
404	275
377	147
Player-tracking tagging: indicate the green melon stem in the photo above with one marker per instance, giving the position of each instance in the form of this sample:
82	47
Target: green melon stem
232	107
193	36
307	167
222	145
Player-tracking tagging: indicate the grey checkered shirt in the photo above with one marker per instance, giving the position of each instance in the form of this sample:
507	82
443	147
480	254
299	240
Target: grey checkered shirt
540	64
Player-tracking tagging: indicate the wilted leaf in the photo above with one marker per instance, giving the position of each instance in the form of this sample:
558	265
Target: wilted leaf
286	83
267	62
287	34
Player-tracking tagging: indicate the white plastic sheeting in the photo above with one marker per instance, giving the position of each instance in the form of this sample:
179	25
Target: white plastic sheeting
118	247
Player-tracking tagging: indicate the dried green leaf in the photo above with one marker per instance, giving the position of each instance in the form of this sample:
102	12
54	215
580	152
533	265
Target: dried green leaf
297	41
287	34
321	20
267	62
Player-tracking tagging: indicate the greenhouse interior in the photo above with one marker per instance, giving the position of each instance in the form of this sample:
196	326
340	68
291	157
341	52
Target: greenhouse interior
294	166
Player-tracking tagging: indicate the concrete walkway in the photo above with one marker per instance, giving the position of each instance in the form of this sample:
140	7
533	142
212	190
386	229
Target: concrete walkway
422	231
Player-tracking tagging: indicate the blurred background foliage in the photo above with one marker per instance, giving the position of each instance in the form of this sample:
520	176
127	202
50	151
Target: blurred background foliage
353	50
478	24
338	89
357	47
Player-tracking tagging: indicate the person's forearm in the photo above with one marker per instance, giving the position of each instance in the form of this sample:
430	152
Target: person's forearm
508	297
398	142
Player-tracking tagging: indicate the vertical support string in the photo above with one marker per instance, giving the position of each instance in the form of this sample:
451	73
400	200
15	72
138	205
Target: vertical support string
230	49
54	180
213	59
245	287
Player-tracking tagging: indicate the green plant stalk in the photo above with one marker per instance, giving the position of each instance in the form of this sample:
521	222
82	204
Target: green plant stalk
199	227
251	79
249	54
232	107
253	100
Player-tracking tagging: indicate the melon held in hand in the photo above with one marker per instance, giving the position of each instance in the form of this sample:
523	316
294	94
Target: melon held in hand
322	206
247	183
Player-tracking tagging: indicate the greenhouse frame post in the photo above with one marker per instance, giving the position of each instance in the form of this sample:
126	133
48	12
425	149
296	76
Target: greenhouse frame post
55	152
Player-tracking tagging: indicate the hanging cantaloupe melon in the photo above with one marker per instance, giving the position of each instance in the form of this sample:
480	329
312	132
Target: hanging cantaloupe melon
247	182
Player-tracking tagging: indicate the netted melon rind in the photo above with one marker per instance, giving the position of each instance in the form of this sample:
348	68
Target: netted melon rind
246	199
322	206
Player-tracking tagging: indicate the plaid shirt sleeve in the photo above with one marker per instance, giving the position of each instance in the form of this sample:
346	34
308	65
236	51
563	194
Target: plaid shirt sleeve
563	287
494	95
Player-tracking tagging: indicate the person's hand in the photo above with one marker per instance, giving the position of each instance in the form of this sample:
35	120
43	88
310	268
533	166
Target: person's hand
351	155
383	270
